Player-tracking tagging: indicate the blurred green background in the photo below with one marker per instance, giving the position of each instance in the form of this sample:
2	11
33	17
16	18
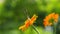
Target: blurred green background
12	14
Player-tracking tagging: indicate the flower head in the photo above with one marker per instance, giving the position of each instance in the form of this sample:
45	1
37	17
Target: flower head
28	22
50	18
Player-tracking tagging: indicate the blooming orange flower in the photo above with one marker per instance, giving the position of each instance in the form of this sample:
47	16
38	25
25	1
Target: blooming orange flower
28	22
50	17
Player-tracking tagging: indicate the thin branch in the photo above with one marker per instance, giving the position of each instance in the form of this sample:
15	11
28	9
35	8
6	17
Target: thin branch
35	29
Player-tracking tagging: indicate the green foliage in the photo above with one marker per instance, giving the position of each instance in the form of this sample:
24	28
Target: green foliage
12	12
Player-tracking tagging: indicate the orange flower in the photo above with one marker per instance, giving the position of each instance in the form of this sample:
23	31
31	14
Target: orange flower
28	22
50	17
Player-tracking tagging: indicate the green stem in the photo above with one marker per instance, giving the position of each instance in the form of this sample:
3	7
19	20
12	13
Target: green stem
54	28
35	29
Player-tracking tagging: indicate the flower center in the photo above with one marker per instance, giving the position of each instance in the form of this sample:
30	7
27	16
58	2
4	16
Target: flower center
51	20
